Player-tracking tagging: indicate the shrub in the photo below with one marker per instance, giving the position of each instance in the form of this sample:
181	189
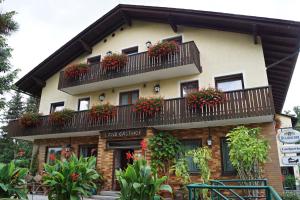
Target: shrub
209	97
290	196
30	119
149	105
61	117
163	49
164	150
290	182
104	111
71	179
139	182
12	181
75	70
114	61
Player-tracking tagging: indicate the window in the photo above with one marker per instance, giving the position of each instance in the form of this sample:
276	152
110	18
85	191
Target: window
227	168
131	50
230	83
94	60
88	150
177	39
53	153
56	106
130	97
190	145
189	87
83	104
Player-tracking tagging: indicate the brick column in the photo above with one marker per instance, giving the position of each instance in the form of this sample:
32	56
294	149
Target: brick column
272	167
105	163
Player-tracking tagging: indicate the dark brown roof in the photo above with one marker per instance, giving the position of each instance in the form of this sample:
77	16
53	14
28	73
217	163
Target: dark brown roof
280	38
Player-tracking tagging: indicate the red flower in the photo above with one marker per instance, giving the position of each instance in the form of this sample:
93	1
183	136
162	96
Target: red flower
52	157
74	177
129	156
21	152
144	145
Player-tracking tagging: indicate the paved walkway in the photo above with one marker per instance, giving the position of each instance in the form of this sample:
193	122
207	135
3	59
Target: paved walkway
41	197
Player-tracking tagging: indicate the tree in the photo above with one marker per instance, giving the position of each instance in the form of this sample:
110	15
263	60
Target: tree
296	110
15	107
32	105
7	75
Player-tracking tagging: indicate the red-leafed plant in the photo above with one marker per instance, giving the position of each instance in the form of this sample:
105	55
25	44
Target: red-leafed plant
114	61
104	111
59	118
30	119
75	70
149	105
163	49
208	96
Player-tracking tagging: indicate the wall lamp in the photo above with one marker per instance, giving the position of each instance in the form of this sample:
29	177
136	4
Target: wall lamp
156	88
109	53
209	139
148	44
102	97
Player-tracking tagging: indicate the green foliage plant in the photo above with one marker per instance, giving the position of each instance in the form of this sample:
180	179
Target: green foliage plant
290	182
290	196
139	182
164	150
72	178
12	181
248	151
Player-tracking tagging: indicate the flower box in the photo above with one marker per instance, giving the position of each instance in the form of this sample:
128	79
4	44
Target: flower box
76	70
149	106
114	62
205	97
59	118
104	111
29	120
163	49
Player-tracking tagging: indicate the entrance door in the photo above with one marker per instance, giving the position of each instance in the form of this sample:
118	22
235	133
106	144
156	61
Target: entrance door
120	162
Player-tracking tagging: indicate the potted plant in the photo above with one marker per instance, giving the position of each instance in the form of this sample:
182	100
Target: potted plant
103	111
71	179
162	49
76	70
205	97
59	118
30	119
148	106
114	62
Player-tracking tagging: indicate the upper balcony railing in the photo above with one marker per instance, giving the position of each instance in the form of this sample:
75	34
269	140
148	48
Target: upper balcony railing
254	102
188	54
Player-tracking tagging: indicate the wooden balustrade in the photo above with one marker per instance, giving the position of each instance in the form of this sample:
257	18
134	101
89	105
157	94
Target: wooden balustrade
239	104
188	53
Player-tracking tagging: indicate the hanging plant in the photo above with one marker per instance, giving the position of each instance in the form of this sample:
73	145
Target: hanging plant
104	111
59	118
163	49
30	119
75	70
114	61
149	105
208	96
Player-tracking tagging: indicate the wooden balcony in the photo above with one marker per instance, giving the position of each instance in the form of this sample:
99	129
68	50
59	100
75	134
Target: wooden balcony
241	107
140	68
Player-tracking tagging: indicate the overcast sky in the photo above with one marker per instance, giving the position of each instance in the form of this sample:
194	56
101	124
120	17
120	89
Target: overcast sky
45	25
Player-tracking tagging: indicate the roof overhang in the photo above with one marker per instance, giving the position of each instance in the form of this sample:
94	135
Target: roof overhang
280	38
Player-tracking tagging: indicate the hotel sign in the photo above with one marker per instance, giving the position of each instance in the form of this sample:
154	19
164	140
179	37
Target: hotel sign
289	135
125	133
290	149
291	160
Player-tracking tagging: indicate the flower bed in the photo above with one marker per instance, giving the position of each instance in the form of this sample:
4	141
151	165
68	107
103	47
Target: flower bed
114	61
104	111
163	49
30	120
59	118
149	105
209	97
75	70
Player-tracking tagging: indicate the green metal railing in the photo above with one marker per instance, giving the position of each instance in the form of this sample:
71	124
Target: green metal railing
219	190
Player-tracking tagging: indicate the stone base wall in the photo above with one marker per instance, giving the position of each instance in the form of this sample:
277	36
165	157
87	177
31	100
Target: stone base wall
105	159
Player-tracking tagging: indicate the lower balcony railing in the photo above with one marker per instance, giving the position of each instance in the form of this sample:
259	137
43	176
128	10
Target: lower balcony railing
245	103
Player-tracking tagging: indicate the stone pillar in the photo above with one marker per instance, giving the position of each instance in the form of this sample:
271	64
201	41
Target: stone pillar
105	163
272	167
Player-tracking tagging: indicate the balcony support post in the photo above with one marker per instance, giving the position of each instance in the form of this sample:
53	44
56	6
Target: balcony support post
172	24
